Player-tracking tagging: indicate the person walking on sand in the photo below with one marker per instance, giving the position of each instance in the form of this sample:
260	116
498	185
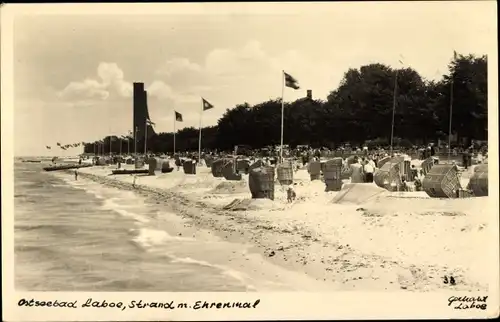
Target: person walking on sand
76	174
134	180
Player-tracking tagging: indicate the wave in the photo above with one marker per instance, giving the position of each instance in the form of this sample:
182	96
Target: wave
239	276
147	237
109	204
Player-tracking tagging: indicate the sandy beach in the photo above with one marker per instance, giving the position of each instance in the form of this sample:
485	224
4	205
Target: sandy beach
364	238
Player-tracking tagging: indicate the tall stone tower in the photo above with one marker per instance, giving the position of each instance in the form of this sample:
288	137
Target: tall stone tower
141	113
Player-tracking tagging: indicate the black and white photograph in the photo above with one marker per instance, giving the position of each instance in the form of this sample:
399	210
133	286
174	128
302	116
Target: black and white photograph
338	147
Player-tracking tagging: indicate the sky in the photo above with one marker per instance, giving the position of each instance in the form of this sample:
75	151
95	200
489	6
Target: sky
73	71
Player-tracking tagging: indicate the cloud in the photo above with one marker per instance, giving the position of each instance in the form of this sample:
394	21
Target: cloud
224	76
88	88
162	91
177	64
246	73
110	82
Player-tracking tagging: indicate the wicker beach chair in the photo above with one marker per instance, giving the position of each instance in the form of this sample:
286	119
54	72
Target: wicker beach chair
261	182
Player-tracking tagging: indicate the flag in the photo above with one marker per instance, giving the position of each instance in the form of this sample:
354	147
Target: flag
291	82
48	147
401	58
178	117
149	122
206	104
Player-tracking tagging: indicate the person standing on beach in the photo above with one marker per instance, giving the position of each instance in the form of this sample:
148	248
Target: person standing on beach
368	169
178	163
356	171
134	180
76	174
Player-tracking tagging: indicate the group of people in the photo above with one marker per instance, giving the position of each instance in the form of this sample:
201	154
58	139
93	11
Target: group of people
362	171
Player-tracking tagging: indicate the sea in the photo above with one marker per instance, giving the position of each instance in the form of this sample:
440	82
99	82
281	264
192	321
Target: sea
79	235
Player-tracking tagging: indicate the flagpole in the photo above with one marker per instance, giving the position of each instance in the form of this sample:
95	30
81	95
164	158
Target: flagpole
145	138
282	112
394	108
451	114
174	132
199	139
135	141
109	131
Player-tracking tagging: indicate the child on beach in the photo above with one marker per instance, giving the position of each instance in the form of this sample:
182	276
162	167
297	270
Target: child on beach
418	184
290	193
178	163
404	185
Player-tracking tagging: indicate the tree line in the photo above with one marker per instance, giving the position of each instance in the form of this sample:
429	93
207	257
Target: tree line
358	111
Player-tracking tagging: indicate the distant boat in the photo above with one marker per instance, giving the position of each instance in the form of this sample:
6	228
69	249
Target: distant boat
32	161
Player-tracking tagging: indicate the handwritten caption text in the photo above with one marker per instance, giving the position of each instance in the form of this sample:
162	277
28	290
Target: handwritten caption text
138	304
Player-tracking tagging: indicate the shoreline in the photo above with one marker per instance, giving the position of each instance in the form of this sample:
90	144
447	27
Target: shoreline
298	248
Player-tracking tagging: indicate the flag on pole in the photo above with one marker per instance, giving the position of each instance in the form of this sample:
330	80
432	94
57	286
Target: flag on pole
206	105
178	117
291	82
401	59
